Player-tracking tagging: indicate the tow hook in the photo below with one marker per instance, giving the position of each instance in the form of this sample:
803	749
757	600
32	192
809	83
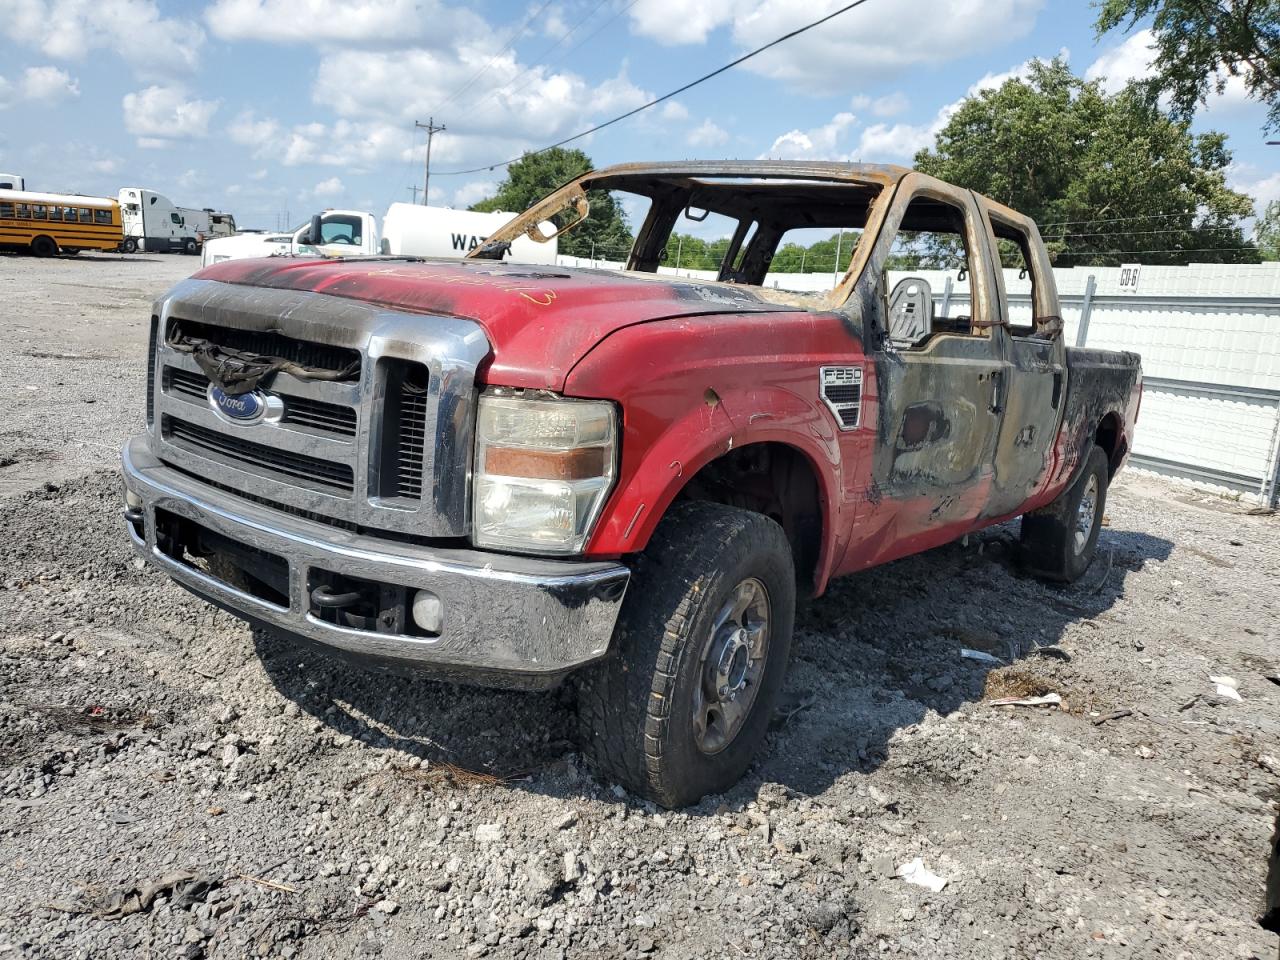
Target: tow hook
321	596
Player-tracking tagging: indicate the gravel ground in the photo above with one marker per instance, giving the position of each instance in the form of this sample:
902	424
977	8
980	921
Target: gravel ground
175	784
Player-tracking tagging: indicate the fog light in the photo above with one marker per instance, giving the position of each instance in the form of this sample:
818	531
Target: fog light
132	500
428	611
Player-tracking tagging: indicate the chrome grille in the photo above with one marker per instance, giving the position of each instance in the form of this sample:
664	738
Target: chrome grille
322	356
384	445
314	414
257	457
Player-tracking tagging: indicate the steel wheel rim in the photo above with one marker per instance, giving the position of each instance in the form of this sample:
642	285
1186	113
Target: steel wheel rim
731	667
1086	513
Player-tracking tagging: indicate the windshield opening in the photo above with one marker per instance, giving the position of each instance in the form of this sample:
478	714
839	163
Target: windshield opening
792	233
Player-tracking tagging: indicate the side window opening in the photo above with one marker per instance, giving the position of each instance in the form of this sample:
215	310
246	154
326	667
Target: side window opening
102	216
1020	289
930	241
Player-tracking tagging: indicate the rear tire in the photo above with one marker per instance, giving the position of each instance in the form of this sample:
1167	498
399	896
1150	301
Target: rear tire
1060	539
682	705
44	247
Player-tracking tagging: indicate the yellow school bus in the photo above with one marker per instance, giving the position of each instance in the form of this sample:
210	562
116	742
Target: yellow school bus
51	223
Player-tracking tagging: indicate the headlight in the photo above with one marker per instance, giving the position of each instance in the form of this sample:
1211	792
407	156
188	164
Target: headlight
543	470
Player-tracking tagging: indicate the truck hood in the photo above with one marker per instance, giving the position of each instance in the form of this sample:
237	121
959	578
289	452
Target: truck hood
539	320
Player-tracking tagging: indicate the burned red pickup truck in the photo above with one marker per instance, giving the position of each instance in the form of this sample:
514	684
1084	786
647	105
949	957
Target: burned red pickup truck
513	475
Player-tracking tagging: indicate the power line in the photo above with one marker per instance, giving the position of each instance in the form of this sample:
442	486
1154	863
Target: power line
666	96
1137	233
1144	216
542	59
516	35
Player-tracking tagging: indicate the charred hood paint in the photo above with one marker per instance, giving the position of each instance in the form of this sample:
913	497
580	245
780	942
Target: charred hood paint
540	321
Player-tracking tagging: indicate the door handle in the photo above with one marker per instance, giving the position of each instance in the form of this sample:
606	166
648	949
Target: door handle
997	378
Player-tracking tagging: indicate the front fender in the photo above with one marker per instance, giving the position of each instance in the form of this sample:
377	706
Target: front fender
657	467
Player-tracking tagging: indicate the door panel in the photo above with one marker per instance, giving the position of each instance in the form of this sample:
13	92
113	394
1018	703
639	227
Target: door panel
1033	405
938	413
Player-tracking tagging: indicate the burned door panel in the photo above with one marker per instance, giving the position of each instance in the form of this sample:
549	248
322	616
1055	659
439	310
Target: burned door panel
1035	383
942	428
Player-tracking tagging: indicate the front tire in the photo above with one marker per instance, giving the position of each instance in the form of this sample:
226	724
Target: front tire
1060	539
189	248
44	247
131	245
700	652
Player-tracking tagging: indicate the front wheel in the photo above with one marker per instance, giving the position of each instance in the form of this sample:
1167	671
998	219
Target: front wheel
1060	539
682	705
131	245
44	247
189	247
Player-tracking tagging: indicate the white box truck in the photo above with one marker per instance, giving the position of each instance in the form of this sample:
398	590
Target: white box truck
408	230
207	223
153	223
11	181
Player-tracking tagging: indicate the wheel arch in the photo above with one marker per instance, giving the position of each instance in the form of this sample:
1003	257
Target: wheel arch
737	471
1109	435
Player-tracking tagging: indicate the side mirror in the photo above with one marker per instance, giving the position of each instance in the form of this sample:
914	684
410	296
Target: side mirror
313	234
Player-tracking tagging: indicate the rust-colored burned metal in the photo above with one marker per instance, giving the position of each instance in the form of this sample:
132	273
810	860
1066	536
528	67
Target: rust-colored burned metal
815	181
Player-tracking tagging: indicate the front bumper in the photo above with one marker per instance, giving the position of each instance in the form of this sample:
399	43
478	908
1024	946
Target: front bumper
507	620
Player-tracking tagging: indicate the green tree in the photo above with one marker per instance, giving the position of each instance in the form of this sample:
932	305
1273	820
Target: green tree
1199	43
1108	178
535	175
1268	232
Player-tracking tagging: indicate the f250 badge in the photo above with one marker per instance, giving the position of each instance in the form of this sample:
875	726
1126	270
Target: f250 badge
243	407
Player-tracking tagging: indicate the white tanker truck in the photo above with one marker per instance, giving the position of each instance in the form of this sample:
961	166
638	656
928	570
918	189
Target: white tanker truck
408	230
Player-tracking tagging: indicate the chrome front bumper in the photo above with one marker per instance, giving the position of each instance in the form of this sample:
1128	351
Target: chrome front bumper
507	620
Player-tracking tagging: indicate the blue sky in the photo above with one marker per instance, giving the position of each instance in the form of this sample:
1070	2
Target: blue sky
274	108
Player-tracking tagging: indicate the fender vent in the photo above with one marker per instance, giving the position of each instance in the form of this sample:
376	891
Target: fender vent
842	392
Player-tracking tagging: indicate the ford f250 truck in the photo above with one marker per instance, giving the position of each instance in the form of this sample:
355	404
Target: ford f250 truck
509	475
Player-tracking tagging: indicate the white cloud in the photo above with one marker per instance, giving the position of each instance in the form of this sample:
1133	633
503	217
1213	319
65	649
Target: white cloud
554	25
48	84
675	22
383	92
882	142
328	188
820	143
674	111
851	50
105	165
6	93
1128	61
153	45
707	134
261	134
258	174
471	192
891	104
389	23
1263	187
157	116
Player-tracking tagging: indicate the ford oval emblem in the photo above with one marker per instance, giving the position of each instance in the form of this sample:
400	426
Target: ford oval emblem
244	407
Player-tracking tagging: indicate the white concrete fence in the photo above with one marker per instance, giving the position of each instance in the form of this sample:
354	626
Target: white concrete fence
1209	335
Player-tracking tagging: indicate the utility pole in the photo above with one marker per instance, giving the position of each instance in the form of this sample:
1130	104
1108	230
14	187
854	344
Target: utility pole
836	274
432	130
415	188
679	249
